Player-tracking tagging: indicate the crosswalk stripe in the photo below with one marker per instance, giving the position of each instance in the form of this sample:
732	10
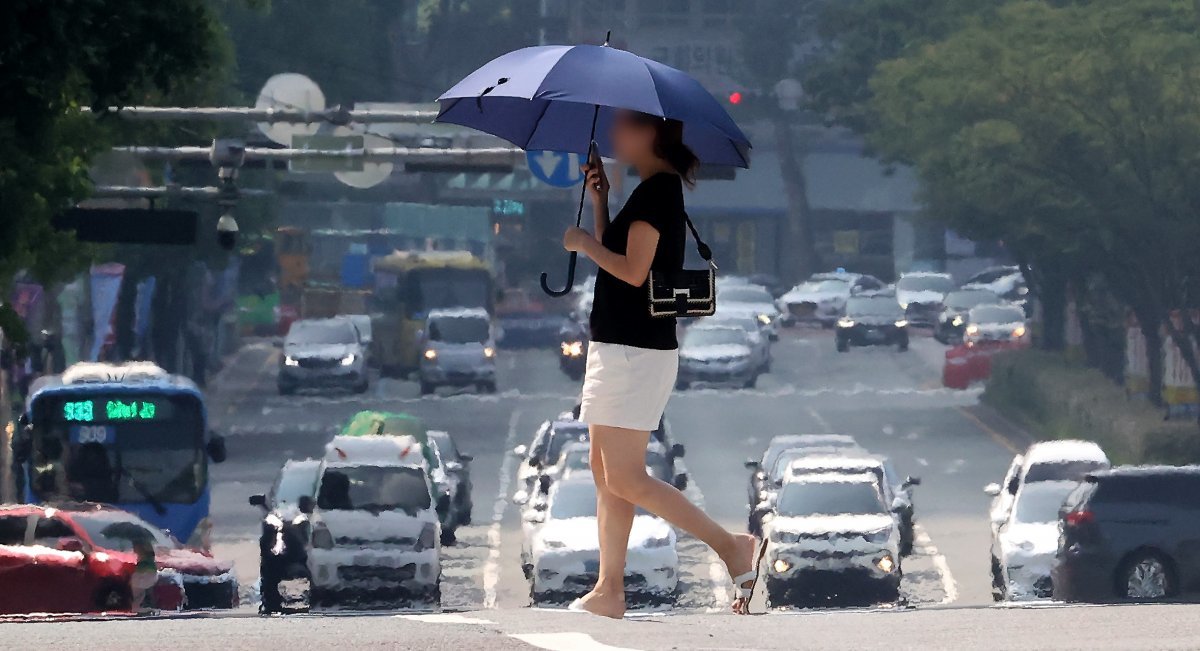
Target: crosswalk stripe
566	642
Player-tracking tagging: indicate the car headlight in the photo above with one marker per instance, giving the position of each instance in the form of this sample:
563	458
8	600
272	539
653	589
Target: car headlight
972	329
901	323
1025	546
781	565
572	348
1019	332
1021	291
489	352
957	321
552	543
288	360
658	542
886	563
845	322
764	319
430	353
348	359
904	305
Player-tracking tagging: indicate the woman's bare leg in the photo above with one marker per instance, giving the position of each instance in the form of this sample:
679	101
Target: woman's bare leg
623	457
614	518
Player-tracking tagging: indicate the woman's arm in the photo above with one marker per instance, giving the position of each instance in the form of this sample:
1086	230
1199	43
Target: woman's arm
634	266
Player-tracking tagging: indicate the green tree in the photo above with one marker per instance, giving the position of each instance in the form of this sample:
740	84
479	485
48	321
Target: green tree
1071	133
55	59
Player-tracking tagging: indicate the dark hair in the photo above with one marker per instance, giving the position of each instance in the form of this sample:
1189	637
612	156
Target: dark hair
668	145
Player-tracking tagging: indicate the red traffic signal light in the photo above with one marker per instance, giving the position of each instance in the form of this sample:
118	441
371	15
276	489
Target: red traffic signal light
735	97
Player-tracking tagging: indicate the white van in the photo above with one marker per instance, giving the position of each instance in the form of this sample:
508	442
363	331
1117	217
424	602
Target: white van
375	531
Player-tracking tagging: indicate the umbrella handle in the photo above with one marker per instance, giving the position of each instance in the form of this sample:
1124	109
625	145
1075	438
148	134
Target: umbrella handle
570	279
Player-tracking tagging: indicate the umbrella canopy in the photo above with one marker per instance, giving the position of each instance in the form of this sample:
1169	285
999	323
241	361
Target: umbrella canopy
545	97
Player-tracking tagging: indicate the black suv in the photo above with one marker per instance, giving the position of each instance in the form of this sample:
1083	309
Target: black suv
1129	533
872	319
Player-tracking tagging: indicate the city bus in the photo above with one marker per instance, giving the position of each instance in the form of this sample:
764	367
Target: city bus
410	283
131	435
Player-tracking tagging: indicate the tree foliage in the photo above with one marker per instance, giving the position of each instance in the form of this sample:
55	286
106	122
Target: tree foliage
55	59
1070	132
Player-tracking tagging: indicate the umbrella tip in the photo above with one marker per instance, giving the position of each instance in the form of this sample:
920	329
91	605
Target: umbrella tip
607	36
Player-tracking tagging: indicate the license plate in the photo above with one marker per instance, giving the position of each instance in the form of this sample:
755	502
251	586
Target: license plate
102	434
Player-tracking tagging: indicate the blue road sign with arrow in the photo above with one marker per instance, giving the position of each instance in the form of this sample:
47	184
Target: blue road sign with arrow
555	168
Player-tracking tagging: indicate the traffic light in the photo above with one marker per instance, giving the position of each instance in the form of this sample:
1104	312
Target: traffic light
746	103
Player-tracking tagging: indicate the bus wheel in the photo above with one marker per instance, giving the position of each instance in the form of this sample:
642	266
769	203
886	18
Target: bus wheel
427	388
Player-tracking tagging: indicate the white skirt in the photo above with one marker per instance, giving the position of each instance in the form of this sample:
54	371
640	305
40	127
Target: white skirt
627	387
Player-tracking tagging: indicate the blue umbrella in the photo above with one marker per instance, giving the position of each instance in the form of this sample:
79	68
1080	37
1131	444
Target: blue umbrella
545	97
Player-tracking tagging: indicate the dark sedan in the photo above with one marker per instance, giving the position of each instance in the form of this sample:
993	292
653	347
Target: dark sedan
872	320
1128	534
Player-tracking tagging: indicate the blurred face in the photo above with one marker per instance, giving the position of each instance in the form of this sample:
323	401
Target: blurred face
632	141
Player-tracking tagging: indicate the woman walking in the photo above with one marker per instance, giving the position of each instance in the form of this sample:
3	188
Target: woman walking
633	357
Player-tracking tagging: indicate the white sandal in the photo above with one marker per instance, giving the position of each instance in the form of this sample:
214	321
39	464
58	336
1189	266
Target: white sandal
751	576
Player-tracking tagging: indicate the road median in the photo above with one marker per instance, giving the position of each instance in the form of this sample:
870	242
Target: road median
1056	399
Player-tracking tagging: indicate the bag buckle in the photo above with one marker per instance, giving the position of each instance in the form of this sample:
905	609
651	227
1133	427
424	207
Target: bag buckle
713	264
683	291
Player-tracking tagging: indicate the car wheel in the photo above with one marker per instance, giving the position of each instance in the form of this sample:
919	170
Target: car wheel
449	537
843	346
362	388
1146	577
487	387
427	388
902	346
286	390
113	597
752	382
997	581
682	385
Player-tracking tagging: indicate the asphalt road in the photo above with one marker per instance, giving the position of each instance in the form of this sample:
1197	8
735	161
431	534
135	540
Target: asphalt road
891	402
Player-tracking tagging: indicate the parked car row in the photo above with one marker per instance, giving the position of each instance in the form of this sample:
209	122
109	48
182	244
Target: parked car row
836	518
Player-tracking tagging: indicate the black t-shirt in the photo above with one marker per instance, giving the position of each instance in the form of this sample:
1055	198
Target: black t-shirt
620	311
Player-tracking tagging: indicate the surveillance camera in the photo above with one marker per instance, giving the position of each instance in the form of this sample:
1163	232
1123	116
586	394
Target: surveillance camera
227	153
227	232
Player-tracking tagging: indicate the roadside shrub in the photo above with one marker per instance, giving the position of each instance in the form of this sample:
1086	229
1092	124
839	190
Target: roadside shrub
1056	399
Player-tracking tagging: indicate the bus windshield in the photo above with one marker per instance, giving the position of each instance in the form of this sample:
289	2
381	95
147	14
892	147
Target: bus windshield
118	448
429	289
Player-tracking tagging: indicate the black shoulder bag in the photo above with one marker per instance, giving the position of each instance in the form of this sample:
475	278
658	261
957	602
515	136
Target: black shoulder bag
686	292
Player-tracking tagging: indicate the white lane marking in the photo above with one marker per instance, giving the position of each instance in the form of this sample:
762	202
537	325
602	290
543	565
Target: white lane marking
949	585
566	642
717	577
491	569
824	424
447	618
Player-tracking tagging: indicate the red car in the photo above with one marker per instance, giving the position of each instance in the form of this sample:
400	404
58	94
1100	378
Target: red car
79	558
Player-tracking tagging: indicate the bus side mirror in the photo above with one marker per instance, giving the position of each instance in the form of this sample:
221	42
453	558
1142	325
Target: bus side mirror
215	448
306	504
677	450
258	500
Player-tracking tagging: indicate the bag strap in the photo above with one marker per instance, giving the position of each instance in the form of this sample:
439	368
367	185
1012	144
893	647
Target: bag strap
701	247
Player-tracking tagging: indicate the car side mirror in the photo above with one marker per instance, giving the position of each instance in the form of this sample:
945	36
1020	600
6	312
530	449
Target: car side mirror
215	448
258	500
544	484
678	450
751	464
306	504
520	451
899	505
992	489
912	481
278	343
680	482
466	458
71	544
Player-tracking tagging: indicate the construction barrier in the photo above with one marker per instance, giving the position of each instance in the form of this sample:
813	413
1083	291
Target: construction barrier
954	370
969	363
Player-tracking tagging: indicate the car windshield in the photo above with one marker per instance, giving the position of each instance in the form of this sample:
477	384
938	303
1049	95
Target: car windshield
746	325
1065	470
459	330
697	337
807	498
374	488
573	499
744	294
885	306
562	435
968	299
322	332
1040	502
295	481
828	286
941	284
118	531
997	314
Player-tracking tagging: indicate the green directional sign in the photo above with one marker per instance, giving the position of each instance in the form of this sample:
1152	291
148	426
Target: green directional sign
323	142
